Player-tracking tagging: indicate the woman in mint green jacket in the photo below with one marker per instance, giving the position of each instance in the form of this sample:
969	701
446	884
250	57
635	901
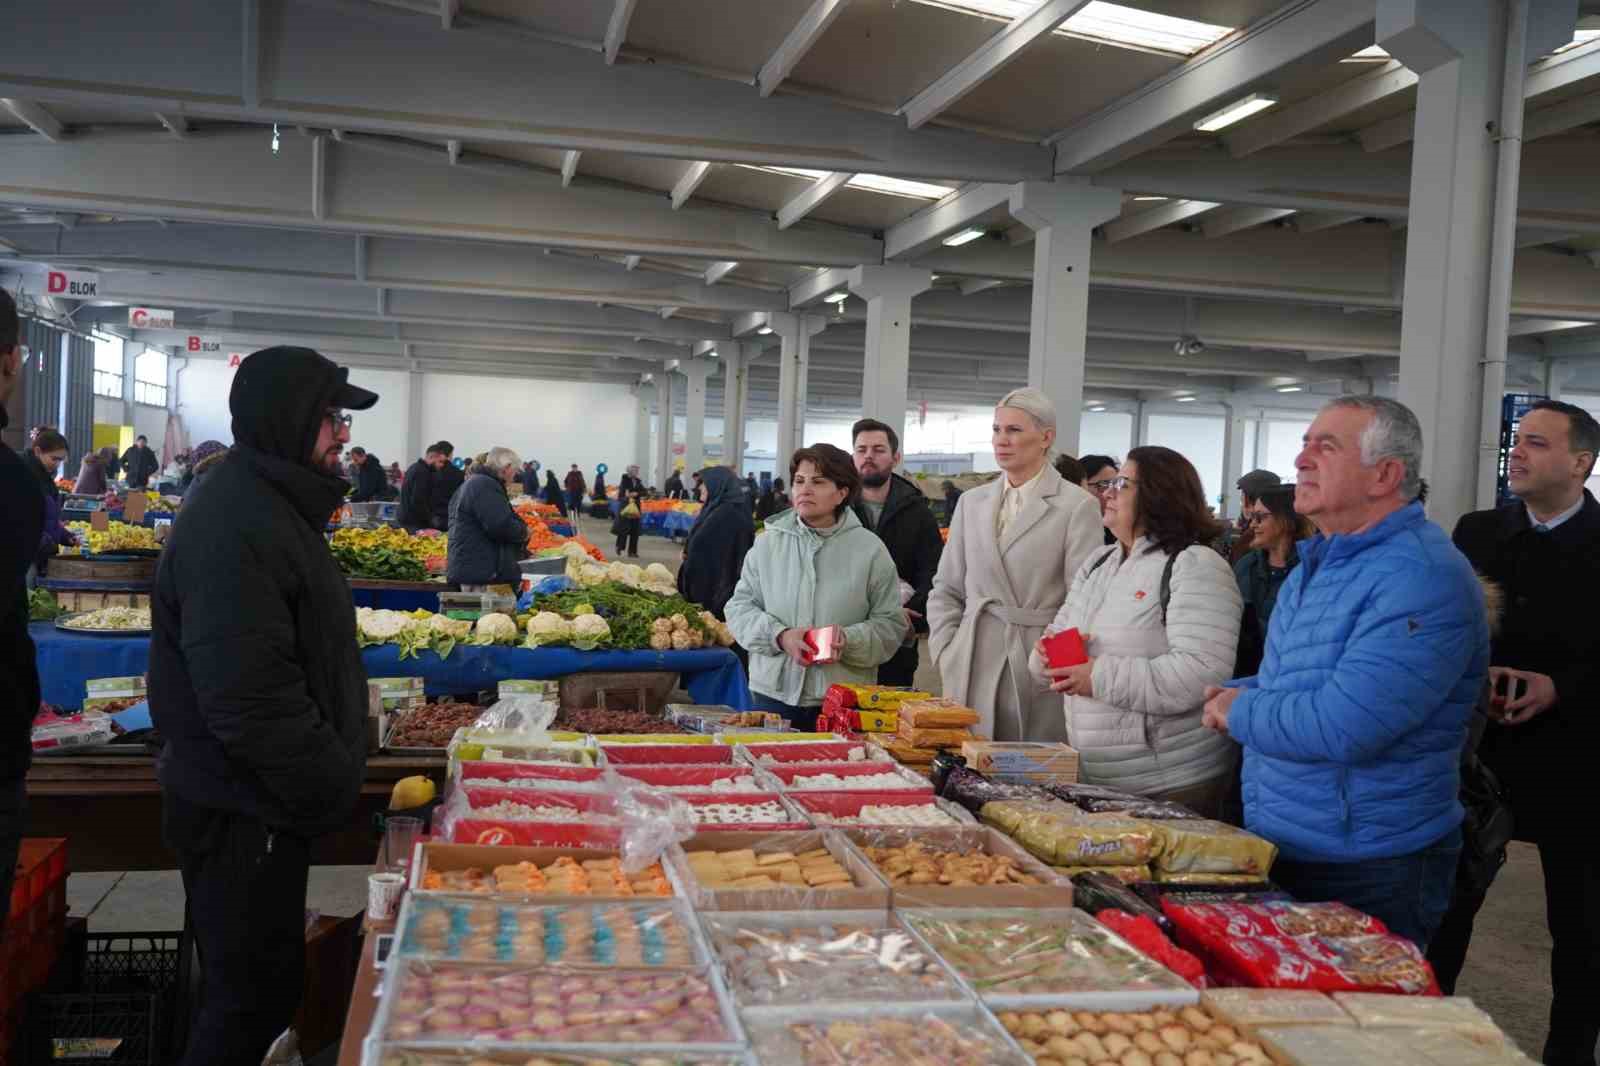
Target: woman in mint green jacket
816	565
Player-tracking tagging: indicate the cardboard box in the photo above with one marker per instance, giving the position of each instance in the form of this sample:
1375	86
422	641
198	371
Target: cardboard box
1022	761
437	857
1053	891
549	690
99	691
868	892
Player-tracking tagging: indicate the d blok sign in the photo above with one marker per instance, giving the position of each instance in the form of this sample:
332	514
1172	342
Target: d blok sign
77	284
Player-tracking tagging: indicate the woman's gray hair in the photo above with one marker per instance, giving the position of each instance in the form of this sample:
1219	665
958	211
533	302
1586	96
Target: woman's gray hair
499	460
1393	433
1034	403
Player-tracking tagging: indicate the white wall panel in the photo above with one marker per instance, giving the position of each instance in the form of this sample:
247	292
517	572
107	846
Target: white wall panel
556	422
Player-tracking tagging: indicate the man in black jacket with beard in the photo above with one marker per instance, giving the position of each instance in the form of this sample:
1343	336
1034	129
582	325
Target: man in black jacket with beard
257	686
22	504
1544	728
898	512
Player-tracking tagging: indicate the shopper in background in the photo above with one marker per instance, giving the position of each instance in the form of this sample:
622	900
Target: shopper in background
951	496
599	485
1240	536
1071	470
416	491
140	463
1159	613
575	486
22	502
257	687
110	462
44	460
367	473
773	501
1015	544
554	494
721	536
1544	726
1098	470
91	476
815	566
487	537
752	491
447	478
674	486
898	512
206	455
630	515
1352	731
1276	527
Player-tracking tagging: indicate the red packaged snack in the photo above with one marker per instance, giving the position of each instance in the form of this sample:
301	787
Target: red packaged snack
825	643
1145	935
1065	649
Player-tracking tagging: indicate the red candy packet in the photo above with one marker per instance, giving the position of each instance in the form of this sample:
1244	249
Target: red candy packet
1065	649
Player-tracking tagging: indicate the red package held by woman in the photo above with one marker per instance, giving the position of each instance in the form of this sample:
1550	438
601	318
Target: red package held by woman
1065	649
1145	935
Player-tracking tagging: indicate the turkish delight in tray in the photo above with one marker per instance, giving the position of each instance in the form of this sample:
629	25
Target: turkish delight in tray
874	776
687	778
1036	956
770	811
787	958
966	866
902	808
883	1035
768	754
532	872
788	871
383	1054
632	935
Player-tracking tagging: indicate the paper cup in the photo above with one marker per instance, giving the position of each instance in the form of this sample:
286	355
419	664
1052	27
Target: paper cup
383	895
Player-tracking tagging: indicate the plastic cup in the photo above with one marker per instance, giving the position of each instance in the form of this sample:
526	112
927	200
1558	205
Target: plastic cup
399	841
383	895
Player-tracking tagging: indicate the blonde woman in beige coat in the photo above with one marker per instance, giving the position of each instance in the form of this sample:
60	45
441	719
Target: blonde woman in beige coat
1014	547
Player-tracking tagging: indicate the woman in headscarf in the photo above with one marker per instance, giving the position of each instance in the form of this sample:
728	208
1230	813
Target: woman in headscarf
553	492
111	463
721	536
91	476
206	454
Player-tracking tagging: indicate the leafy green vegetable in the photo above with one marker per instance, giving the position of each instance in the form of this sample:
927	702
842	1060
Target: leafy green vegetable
628	611
381	564
42	605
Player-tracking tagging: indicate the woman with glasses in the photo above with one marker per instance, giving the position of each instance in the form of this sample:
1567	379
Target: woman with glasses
1098	473
1276	527
1159	615
1014	545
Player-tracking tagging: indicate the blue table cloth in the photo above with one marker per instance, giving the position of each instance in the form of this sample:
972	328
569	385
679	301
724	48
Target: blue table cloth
559	527
398	599
712	675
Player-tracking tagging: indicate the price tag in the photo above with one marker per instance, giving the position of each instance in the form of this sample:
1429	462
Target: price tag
100	521
133	509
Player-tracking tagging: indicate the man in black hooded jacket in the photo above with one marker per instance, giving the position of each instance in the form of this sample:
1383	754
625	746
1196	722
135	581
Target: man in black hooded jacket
22	504
257	686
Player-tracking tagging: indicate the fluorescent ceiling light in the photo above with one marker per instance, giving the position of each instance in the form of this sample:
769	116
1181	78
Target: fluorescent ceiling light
881	183
836	297
1186	399
1141	199
1107	23
960	237
1097	407
1236	111
764	330
1291	388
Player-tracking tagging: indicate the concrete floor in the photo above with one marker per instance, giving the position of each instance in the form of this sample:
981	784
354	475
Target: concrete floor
1507	972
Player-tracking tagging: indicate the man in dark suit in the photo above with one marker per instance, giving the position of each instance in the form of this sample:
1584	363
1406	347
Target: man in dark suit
1544	553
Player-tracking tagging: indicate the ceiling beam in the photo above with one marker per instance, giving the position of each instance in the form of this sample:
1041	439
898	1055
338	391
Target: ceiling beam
973	286
230	177
717	271
176	125
1534	238
569	167
811	289
1570	114
617	28
1548	75
989	59
926	228
1316	221
812	198
1222	223
36	117
1302	32
688	183
485	88
1155	218
812	25
1275	127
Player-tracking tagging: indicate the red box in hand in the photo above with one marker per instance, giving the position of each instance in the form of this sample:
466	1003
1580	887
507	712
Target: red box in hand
824	644
1065	649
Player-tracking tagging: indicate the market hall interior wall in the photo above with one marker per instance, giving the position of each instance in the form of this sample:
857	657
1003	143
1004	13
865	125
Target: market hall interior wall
556	422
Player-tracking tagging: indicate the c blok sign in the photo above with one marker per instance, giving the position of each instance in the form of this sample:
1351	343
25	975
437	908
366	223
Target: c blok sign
150	318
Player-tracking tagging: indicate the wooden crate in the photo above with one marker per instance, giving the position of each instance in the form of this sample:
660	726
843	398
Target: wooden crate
75	600
642	690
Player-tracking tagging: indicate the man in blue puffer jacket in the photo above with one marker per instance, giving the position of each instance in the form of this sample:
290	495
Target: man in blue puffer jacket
1375	658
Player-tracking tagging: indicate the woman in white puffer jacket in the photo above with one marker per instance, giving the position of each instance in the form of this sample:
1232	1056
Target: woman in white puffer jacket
1159	613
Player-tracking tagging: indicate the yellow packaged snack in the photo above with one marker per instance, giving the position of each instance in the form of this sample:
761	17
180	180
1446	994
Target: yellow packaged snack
936	713
1062	835
919	737
1201	846
1127	874
882	697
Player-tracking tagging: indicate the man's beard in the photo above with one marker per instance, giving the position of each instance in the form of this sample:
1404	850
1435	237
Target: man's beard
875	481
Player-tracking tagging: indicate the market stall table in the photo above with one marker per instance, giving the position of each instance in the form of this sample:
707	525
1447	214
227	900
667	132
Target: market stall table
398	595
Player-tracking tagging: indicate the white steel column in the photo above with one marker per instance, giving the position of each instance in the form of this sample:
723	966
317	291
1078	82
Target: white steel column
1458	50
1141	428
414	445
735	362
1063	215
1233	431
641	429
1263	440
886	379
694	436
663	468
794	332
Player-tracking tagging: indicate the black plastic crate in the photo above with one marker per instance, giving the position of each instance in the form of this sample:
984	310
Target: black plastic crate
69	1028
153	964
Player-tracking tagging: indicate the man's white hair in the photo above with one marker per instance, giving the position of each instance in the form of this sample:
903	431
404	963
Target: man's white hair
500	460
1393	433
1034	403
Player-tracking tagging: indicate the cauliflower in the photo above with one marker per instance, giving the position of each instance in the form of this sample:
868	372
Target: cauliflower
582	609
659	574
662	626
573	550
496	629
680	624
453	628
547	627
589	630
632	574
380	626
660	641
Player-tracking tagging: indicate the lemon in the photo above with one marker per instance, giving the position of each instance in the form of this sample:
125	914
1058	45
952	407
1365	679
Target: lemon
411	792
